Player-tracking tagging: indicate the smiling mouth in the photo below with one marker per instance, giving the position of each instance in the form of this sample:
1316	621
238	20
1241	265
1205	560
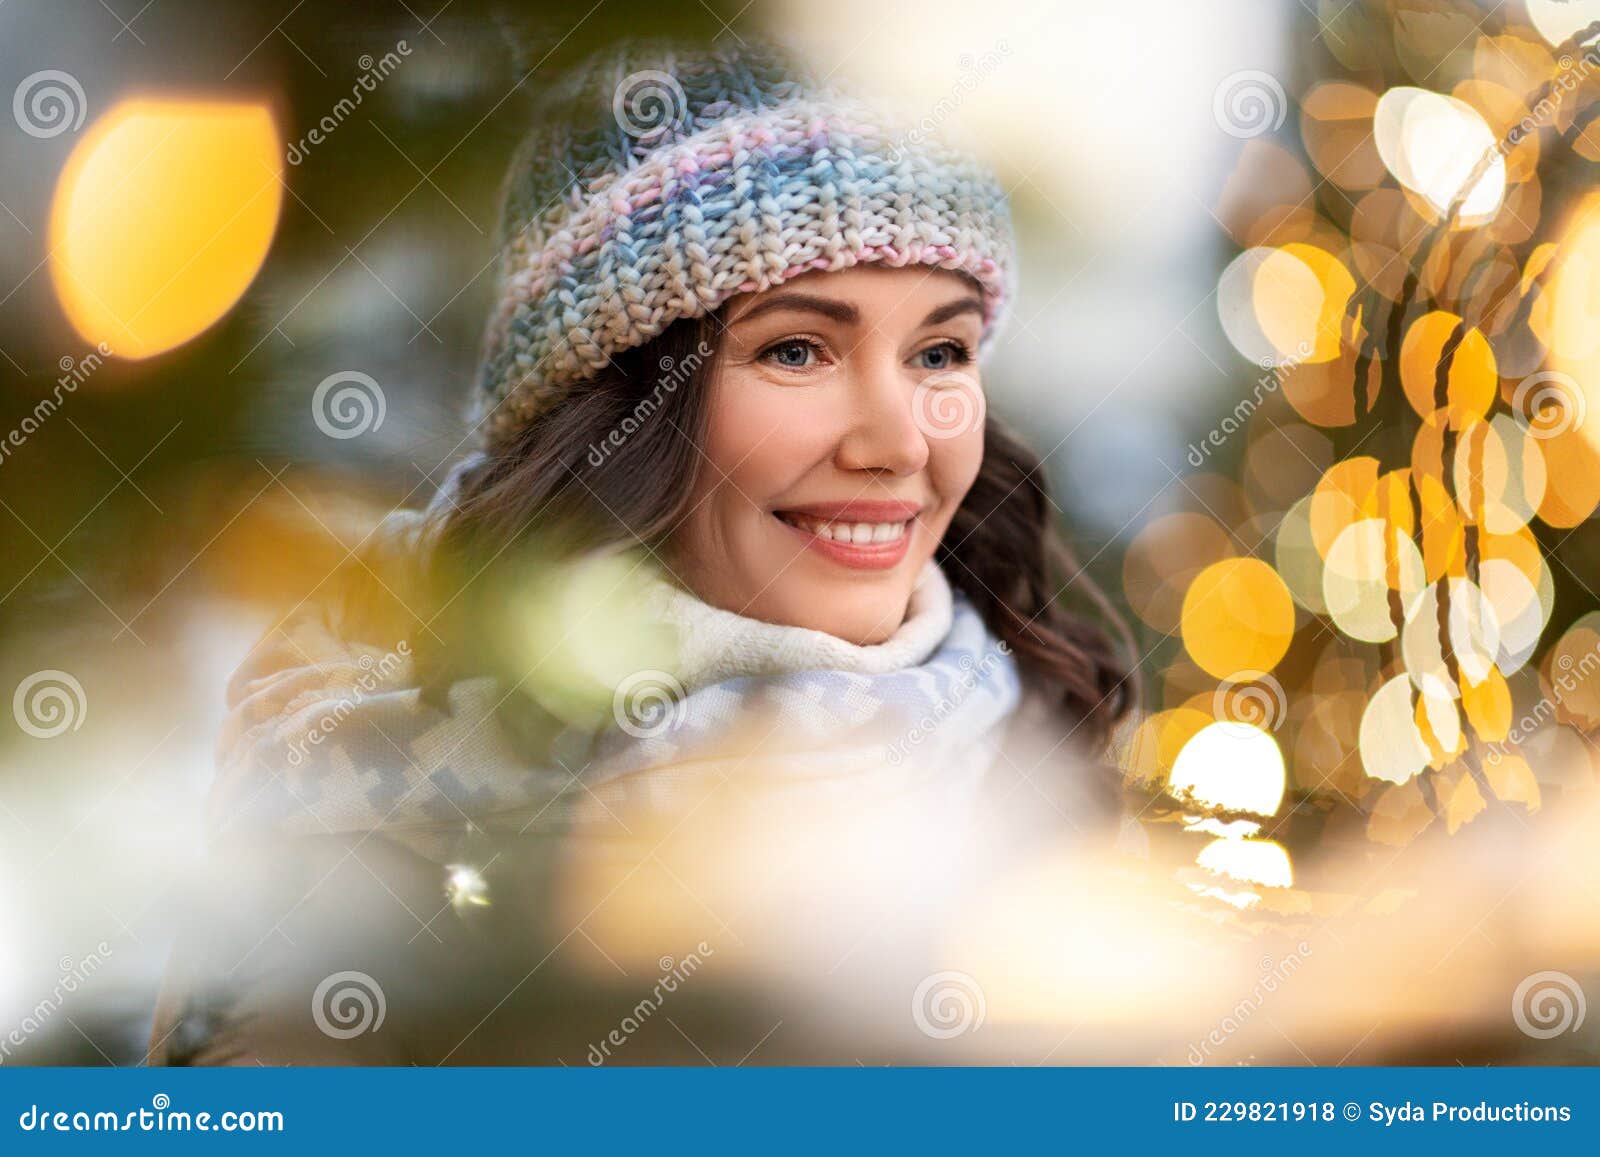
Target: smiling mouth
863	536
847	533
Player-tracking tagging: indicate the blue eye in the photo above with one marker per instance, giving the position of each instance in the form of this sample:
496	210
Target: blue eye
792	354
944	356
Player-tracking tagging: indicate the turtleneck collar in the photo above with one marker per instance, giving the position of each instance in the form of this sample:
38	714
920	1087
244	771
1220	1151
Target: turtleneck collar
716	644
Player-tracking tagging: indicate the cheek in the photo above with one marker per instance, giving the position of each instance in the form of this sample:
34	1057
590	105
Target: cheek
761	440
953	465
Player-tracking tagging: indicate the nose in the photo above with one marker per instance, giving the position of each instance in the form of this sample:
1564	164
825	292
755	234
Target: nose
882	434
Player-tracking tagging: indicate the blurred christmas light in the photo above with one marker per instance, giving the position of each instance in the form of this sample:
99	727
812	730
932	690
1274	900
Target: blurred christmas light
1393	743
1432	144
161	219
1557	20
466	887
1367	561
1232	766
1254	861
1237	616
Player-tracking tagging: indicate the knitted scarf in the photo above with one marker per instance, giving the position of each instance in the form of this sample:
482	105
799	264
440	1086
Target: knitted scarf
327	733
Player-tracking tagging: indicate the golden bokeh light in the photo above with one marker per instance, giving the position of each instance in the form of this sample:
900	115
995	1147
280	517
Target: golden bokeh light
1237	616
161	220
1371	566
1472	382
1295	557
1338	501
1432	144
1232	766
1336	126
1568	680
1253	861
1487	705
1473	631
1393	745
1302	317
1152	753
1163	559
1557	20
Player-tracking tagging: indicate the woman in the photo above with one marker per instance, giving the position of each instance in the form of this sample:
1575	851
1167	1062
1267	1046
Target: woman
730	396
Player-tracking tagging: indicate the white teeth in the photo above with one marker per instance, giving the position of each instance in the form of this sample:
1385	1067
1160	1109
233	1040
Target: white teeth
851	532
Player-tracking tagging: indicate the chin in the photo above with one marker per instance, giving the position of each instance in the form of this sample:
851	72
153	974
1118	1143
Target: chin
847	611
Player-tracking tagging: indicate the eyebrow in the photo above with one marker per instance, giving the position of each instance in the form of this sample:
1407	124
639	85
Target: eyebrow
844	312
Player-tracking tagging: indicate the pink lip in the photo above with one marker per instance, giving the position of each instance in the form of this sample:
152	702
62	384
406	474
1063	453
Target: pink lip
858	556
858	511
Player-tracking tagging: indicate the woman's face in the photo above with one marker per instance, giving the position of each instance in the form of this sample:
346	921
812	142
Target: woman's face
846	427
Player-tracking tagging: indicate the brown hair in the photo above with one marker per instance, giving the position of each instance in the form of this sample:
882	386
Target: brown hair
614	462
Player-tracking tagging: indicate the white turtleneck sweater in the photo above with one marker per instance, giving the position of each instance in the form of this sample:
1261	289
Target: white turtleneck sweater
715	644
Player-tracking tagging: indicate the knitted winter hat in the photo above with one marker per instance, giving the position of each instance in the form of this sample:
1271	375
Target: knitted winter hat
662	182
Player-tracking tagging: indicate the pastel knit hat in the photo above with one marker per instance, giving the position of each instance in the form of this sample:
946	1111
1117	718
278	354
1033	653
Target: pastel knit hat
662	181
